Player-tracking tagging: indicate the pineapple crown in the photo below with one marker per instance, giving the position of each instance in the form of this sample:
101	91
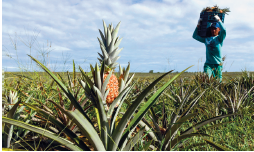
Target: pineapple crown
109	43
216	8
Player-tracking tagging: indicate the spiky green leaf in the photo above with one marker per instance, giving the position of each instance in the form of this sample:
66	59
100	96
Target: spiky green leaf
43	132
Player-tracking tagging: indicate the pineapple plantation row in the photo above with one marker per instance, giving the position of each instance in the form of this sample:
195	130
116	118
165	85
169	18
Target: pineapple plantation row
104	110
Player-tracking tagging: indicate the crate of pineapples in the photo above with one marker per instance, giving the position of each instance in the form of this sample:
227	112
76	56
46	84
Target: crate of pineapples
207	15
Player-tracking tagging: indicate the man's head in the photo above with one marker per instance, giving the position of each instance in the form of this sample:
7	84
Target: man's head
215	29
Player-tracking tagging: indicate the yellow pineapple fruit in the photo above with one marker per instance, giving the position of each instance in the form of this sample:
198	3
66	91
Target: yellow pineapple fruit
112	86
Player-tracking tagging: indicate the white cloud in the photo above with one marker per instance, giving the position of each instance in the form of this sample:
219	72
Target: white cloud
57	48
19	32
150	29
82	44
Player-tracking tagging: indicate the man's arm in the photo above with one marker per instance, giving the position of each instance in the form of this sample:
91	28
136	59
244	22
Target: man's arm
222	33
197	37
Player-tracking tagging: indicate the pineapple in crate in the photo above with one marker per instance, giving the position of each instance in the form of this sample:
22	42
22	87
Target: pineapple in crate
105	85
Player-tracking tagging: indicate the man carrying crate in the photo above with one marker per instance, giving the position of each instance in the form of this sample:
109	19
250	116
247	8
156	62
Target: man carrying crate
213	64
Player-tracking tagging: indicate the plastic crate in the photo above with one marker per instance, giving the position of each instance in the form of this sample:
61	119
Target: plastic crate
207	20
209	16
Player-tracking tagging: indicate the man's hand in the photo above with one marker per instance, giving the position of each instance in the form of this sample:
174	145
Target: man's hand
199	22
217	18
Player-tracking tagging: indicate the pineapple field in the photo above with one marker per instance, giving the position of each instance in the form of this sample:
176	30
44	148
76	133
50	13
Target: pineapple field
111	109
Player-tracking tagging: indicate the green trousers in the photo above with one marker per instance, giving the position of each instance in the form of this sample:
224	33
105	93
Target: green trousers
213	69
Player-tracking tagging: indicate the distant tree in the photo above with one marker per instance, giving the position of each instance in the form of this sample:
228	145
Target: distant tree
151	71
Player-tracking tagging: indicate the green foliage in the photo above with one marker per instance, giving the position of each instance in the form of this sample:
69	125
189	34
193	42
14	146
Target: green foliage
210	104
151	71
81	116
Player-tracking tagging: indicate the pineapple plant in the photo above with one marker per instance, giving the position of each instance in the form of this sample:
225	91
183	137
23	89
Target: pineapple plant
109	43
105	89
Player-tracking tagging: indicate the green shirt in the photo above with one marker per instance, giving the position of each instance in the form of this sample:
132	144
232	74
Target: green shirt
213	45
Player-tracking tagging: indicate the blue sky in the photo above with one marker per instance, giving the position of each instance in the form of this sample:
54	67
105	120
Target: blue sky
157	35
